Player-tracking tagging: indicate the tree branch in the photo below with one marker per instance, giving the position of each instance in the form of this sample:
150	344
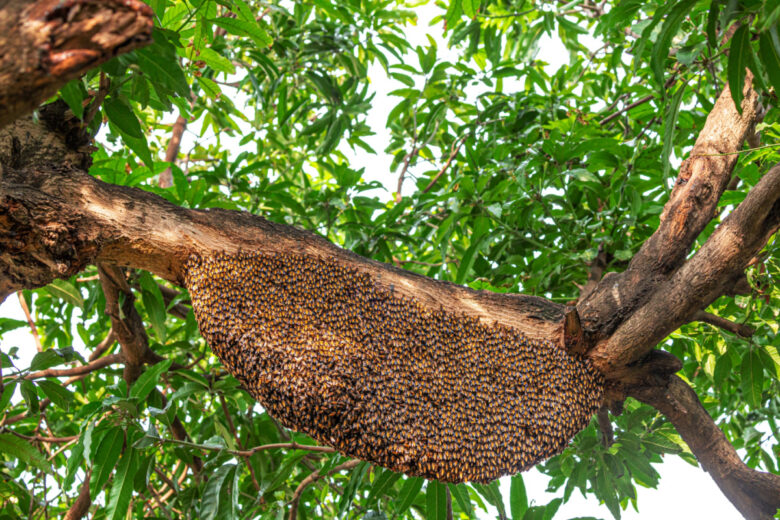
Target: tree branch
126	322
166	177
702	279
736	328
80	507
693	203
312	478
30	321
46	43
755	494
77	371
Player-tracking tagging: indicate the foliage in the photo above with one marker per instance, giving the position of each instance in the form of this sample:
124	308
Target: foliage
516	177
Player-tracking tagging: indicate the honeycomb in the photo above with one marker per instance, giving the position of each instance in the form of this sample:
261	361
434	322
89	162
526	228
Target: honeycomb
382	377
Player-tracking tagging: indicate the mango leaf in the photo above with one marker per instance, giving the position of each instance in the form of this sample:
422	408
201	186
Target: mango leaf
436	501
355	479
668	30
22	450
212	495
752	372
461	494
121	115
769	51
518	499
65	290
245	28
739	57
122	487
407	495
57	394
51	358
148	380
105	458
382	484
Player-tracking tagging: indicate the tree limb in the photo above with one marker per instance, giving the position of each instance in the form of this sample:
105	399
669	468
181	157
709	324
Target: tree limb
737	328
755	494
80	507
77	371
46	43
701	280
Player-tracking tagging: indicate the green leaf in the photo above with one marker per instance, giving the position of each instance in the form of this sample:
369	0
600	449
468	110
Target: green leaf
216	61
470	7
518	500
9	324
436	501
712	24
245	28
382	484
467	262
752	373
122	487
65	290
154	304
739	57
355	479
105	457
212	494
30	396
461	494
769	51
8	391
57	394
73	94
51	358
668	31
492	494
20	449
408	493
148	380
121	115
160	63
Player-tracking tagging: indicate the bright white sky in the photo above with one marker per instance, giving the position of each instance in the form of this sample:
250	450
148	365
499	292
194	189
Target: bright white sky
685	492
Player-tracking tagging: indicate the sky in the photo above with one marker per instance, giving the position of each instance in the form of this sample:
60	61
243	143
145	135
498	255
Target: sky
684	492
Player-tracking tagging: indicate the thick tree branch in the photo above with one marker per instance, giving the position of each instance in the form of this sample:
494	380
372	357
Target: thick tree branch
80	507
54	221
700	281
46	43
755	494
693	203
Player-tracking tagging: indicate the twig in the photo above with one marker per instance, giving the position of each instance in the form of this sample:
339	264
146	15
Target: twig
737	152
605	427
453	152
33	327
166	177
313	478
103	345
716	321
40	438
671	81
77	371
252	451
100	96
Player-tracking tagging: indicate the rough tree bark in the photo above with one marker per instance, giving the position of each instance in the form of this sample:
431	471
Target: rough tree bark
55	219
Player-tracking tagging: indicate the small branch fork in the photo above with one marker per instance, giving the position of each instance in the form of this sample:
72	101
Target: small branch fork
312	478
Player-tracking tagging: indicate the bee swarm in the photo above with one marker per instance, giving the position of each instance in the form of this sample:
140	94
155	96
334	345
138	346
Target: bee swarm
383	378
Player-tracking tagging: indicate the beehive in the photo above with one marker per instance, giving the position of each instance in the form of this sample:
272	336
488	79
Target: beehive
382	378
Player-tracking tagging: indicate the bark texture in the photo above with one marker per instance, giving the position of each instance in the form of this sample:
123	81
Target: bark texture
46	43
